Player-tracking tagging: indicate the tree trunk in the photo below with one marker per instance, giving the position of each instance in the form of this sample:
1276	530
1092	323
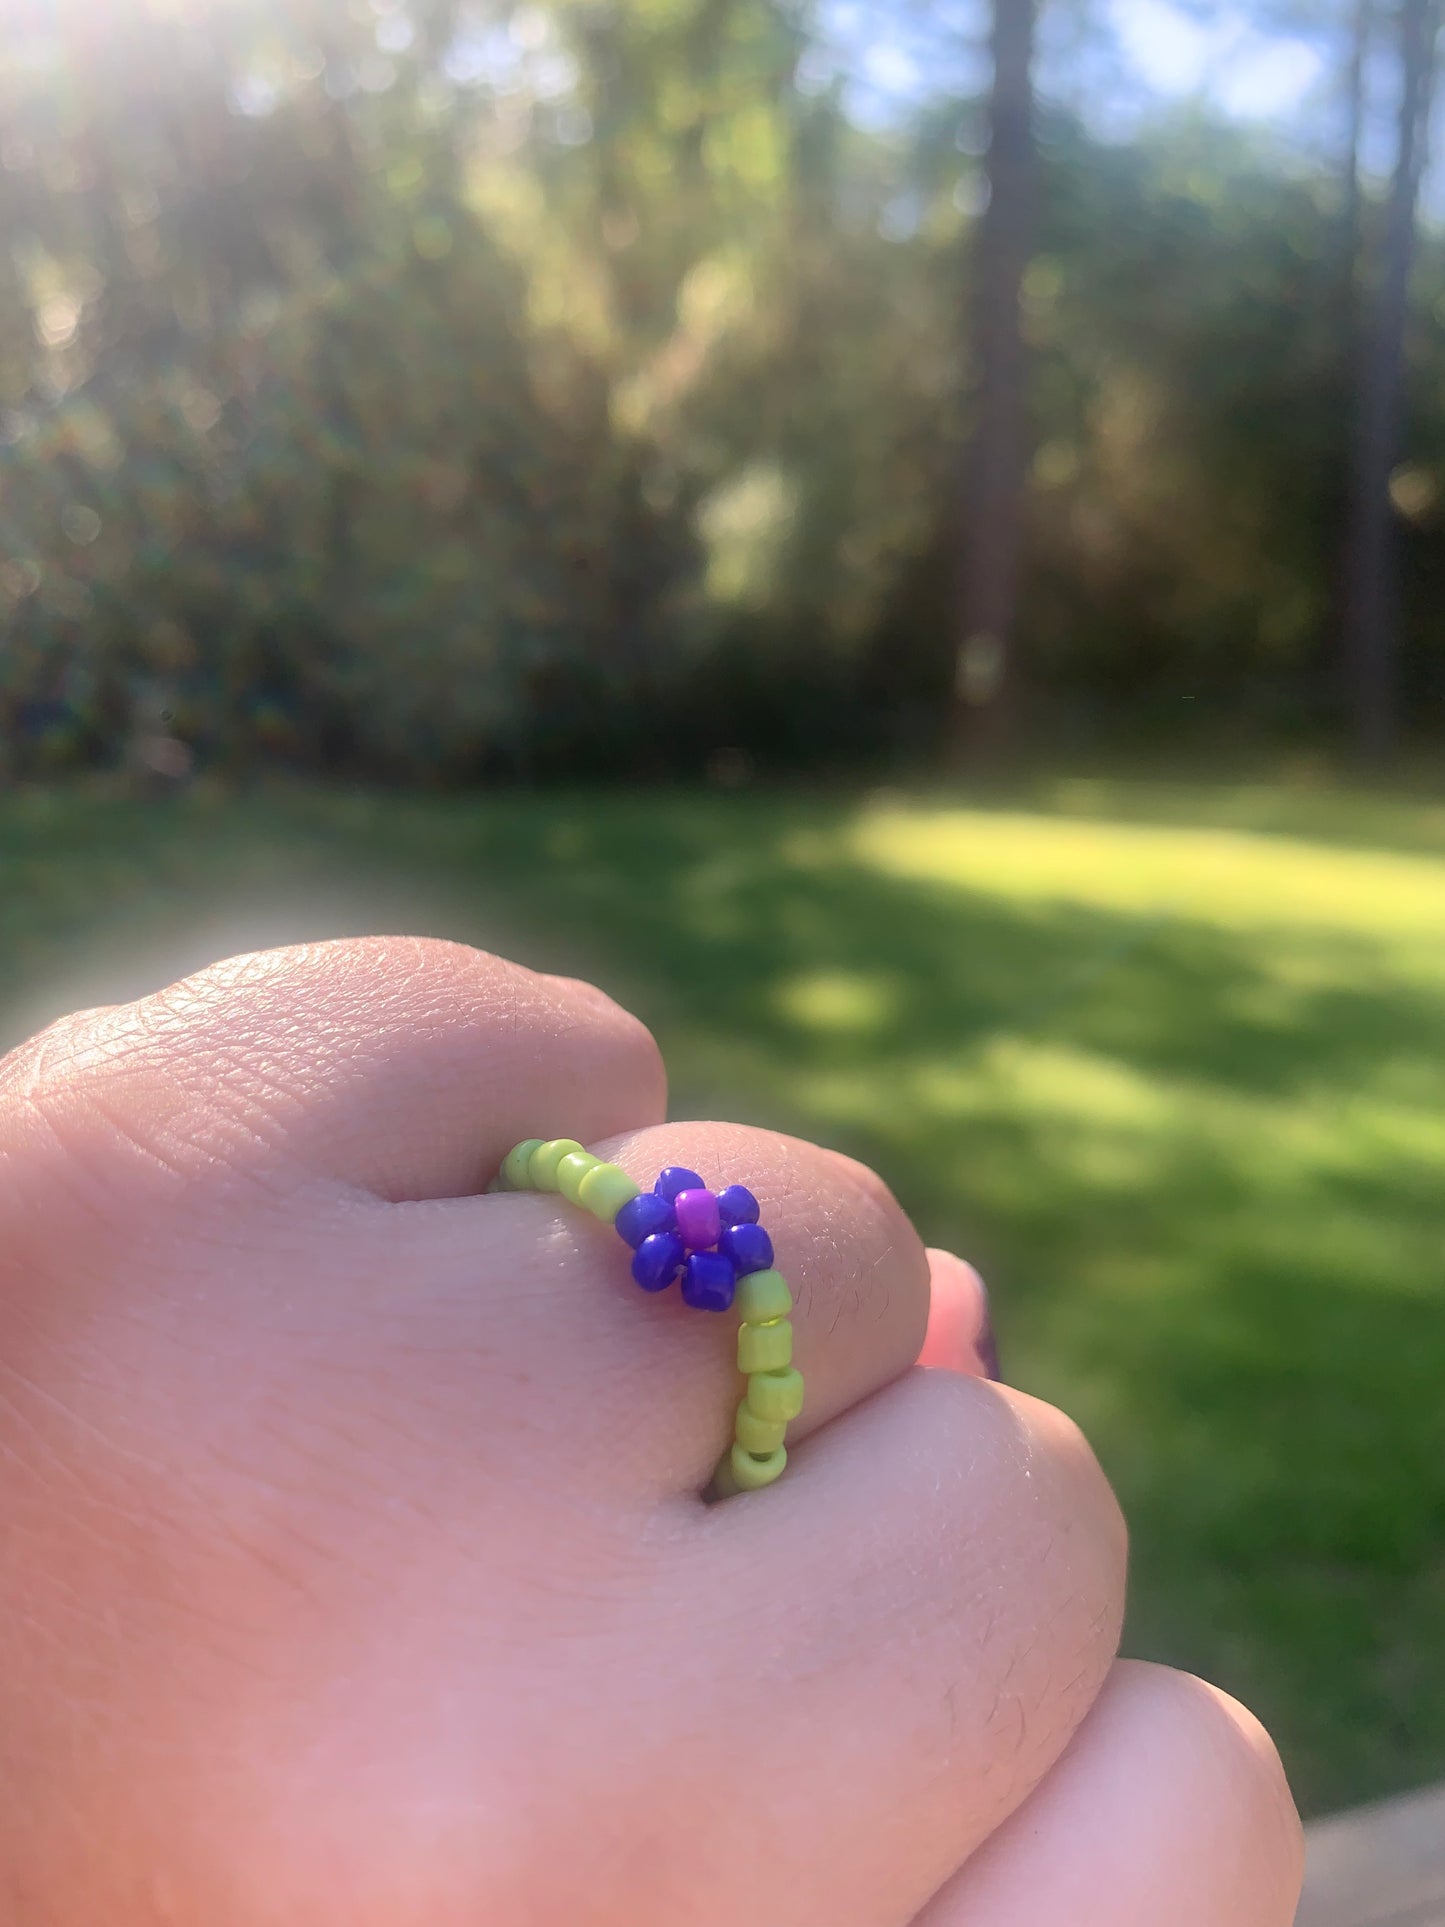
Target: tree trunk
1354	132
996	473
1371	588
1345	284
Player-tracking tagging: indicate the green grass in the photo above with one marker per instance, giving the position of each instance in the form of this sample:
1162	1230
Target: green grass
1169	1064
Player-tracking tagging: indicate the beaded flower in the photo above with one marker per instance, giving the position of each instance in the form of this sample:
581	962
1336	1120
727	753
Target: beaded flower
712	1237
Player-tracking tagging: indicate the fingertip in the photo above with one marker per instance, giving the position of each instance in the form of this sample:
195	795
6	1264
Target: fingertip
959	1337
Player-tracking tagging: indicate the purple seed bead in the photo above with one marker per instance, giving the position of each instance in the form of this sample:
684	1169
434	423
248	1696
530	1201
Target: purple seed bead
737	1205
656	1259
698	1222
749	1247
674	1179
709	1281
641	1216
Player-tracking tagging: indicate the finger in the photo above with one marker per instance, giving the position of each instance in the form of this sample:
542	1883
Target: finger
397	1064
441	1307
959	1337
1170	1805
924	1610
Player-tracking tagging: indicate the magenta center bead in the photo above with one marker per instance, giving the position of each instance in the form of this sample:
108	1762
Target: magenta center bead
699	1221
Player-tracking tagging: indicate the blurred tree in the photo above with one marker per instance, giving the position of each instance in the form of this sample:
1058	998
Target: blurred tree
986	670
1347	292
1360	31
443	388
1371	588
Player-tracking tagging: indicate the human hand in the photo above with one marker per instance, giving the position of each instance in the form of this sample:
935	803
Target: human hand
352	1564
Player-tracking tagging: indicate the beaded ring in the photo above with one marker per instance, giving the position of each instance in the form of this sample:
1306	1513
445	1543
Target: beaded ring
713	1240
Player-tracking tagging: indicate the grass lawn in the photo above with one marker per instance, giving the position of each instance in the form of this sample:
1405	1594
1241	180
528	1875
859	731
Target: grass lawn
1170	1065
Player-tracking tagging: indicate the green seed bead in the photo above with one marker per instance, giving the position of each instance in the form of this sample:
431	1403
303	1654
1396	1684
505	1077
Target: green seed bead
724	1485
515	1166
751	1473
758	1435
762	1297
776	1395
542	1170
765	1348
571	1170
604	1191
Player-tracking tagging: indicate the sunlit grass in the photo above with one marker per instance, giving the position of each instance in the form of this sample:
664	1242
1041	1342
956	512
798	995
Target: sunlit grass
1169	1063
1236	879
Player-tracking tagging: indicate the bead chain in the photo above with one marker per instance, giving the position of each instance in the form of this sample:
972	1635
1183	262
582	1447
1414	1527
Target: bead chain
675	1228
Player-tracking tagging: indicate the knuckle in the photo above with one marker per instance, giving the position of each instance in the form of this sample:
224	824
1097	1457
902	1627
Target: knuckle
55	1084
63	1153
1076	1485
1059	1515
1024	1516
1239	1786
426	990
1041	1475
355	975
211	1076
29	1070
1273	1822
610	1028
866	1183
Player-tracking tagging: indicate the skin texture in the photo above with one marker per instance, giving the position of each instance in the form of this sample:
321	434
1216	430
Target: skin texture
352	1564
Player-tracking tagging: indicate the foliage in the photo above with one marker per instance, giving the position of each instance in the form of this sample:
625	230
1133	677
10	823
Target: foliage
445	389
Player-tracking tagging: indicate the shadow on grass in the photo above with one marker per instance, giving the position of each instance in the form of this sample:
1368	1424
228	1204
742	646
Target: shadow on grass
1201	1165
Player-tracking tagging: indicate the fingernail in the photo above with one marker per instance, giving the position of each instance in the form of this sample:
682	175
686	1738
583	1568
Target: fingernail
986	1343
